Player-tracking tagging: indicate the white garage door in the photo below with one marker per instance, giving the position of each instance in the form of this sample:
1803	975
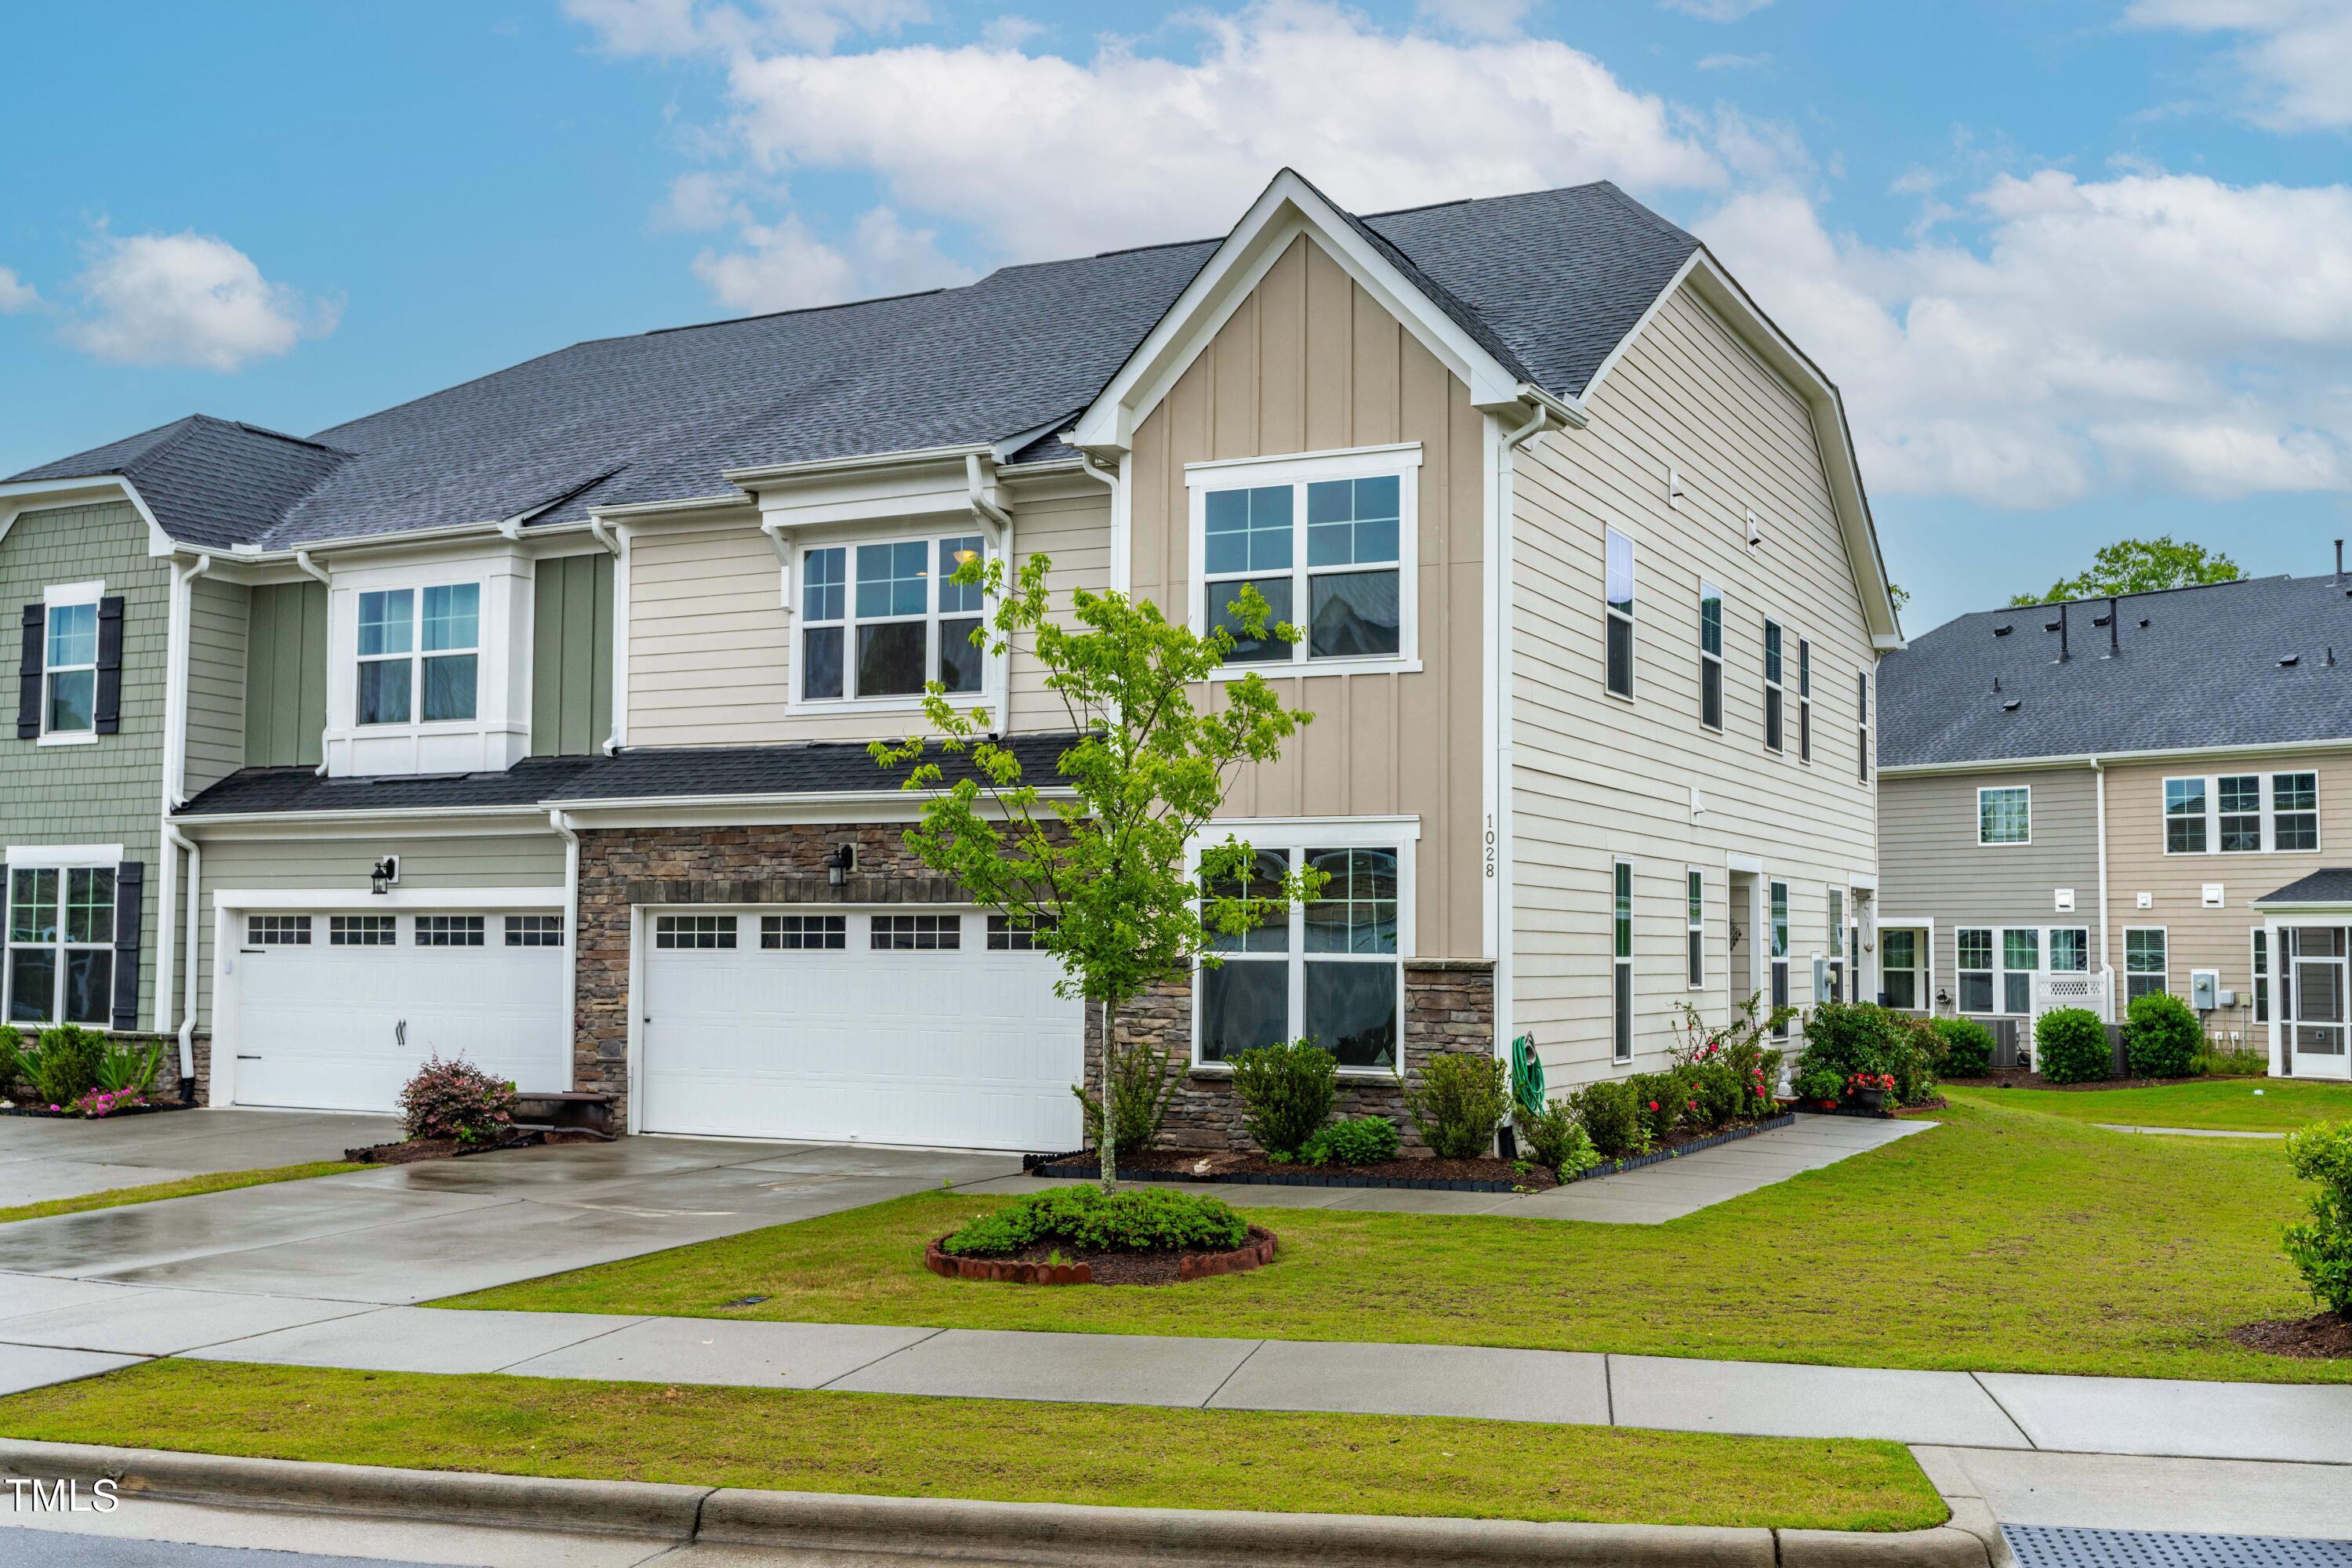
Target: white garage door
336	1011
881	1028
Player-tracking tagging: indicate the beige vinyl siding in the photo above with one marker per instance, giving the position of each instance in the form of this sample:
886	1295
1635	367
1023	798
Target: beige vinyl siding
338	869
111	789
710	641
286	676
216	638
1309	362
1596	777
2197	937
1932	867
571	654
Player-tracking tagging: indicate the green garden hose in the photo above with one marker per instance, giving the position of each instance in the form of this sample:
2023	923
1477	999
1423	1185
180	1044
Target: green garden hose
1526	1075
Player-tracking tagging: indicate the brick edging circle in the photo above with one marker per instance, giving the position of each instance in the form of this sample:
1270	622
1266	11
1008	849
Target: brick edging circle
1258	1251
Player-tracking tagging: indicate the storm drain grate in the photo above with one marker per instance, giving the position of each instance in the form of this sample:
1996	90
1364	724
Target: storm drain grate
2044	1546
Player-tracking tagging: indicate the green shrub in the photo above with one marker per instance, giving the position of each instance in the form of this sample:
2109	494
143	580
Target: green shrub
1142	1081
1357	1141
1716	1086
1963	1048
2161	1035
1133	1219
125	1069
1286	1092
1848	1037
2070	1045
1911	1058
12	1060
1608	1117
1557	1141
1820	1083
2321	1247
67	1068
2237	1062
1661	1100
1461	1098
456	1100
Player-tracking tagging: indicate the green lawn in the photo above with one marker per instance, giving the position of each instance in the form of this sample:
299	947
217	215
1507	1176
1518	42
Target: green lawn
2236	1104
1004	1451
186	1187
2000	1239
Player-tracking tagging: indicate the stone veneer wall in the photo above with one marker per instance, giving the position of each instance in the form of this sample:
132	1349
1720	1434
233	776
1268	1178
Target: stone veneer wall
167	1085
1449	1006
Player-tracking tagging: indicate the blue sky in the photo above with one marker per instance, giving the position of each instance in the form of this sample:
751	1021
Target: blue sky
2083	269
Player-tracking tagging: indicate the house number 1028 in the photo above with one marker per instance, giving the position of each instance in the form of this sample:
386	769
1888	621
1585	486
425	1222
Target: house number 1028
1490	844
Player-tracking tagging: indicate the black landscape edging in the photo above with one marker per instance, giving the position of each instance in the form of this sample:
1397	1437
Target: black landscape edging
1059	1165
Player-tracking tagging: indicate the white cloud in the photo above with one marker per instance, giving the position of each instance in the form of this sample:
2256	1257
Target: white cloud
189	299
784	266
672	27
15	294
1733	62
2297	54
1008	32
1716	10
1475	19
699	199
2158	331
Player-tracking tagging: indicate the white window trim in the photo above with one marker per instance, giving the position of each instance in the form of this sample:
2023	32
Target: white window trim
54	855
1622	966
54	597
1723	696
1771	684
1609	613
1984	843
28	861
416	658
1961	970
991	677
1299	470
1922	995
2042	948
2258	992
2266	790
1862	728
1297	835
2163	976
1778	962
1804	698
1695	926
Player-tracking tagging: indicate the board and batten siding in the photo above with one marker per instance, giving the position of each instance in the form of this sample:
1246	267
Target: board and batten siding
1309	362
571	654
1932	867
110	791
286	676
337	869
2197	937
711	639
216	683
1595	777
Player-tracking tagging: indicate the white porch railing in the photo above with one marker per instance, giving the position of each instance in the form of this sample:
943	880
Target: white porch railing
2093	989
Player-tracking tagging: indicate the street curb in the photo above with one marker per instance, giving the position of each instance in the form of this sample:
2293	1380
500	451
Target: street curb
961	1530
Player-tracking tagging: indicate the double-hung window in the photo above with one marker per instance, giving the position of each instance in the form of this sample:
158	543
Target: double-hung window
61	944
1837	944
1695	927
1621	971
2239	797
2295	811
2144	961
1975	968
2241	813
1805	701
1898	968
1710	655
1862	725
1775	695
69	664
1329	970
408	672
2020	960
2262	986
1617	614
2184	816
1327	541
2005	814
885	619
1779	913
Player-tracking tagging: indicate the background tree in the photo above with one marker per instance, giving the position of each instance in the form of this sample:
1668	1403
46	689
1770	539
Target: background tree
2139	567
1098	862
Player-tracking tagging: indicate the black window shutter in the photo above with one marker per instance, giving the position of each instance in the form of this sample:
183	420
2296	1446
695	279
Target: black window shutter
130	897
109	713
28	673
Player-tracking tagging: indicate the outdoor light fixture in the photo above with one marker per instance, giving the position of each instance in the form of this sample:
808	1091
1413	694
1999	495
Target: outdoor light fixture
839	864
385	873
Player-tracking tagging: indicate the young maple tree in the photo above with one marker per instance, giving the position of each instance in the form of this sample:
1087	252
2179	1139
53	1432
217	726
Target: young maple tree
1105	864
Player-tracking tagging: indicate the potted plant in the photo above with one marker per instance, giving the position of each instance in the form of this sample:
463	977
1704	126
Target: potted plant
1870	1089
1820	1087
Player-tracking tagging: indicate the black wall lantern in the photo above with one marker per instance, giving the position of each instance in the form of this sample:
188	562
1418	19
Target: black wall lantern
386	872
839	864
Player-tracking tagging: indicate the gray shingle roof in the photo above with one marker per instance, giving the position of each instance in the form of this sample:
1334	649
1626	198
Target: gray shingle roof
2206	671
2328	884
825	767
1550	283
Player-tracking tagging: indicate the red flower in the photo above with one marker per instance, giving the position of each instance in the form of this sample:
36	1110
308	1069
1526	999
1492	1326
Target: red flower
1654	1105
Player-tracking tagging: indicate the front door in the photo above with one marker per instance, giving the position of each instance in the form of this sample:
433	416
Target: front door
2317	1015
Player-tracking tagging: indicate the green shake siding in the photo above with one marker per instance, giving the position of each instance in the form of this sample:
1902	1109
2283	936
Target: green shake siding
572	656
108	792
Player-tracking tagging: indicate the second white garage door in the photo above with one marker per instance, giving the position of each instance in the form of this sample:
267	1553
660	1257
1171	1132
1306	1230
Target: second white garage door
880	1027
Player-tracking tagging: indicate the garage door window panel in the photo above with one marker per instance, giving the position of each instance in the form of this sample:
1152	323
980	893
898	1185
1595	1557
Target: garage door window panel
917	933
359	930
703	933
450	931
278	931
801	933
534	930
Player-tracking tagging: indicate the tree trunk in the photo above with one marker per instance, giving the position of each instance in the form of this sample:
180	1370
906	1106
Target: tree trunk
1108	1144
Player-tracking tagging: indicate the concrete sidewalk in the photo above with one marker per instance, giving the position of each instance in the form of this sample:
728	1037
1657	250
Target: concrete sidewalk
106	1326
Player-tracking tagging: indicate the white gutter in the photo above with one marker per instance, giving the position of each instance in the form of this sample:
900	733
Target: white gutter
1122	568
1500	715
981	507
2099	782
561	823
748	477
175	772
311	568
2319	747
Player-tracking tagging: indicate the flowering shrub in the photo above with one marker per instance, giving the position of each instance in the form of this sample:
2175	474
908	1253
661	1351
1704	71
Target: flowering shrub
456	1100
99	1102
1862	1081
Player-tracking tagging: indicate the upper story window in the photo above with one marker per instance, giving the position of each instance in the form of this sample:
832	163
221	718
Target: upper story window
2005	814
1862	725
69	670
70	666
408	671
882	619
1617	614
1775	718
1328	542
1710	655
2241	813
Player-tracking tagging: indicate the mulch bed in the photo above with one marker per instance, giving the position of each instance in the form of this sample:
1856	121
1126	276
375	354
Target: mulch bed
45	1113
1888	1113
1036	1265
2325	1336
1487	1175
410	1151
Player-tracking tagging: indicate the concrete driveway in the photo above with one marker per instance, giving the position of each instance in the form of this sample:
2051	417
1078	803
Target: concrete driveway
409	1232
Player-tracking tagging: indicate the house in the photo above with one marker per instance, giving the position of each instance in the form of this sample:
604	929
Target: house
2087	802
529	719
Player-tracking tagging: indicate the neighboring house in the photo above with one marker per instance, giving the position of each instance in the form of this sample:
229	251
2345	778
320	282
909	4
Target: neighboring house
528	720
2097	800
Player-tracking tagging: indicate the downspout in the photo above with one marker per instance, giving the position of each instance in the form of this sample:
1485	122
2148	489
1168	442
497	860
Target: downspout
311	568
1499	596
616	541
561	822
985	508
181	843
2099	781
1121	570
175	775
